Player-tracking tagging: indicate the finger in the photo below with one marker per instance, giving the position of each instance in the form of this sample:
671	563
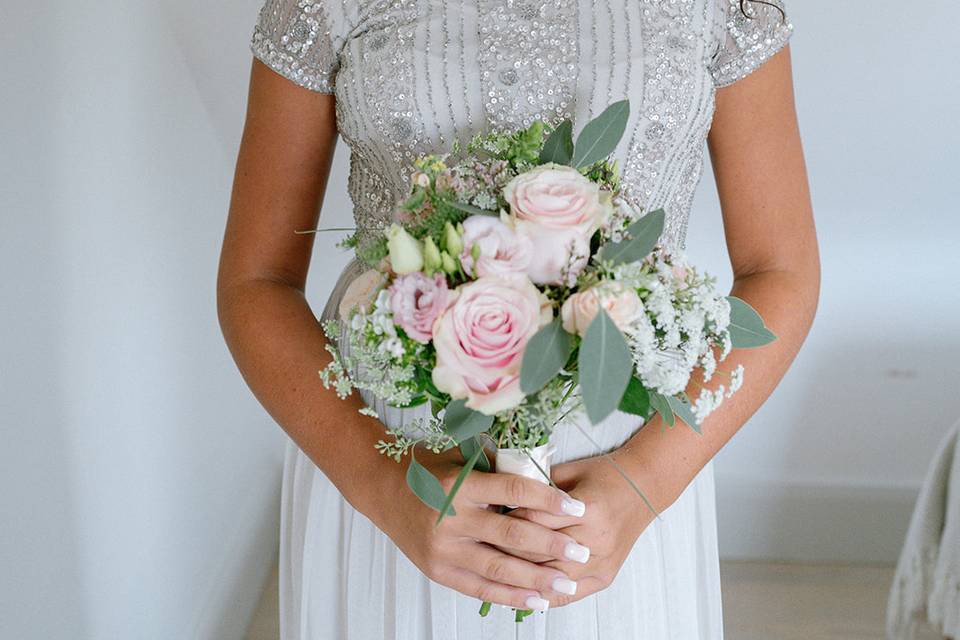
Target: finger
506	569
524	536
538	558
544	519
472	584
517	491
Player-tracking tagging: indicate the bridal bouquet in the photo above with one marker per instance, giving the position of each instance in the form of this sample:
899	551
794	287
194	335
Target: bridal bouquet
516	288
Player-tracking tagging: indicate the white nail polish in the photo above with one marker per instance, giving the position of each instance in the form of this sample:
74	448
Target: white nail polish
537	604
573	507
576	552
564	585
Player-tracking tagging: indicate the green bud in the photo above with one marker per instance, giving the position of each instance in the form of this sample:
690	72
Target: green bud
449	264
452	241
475	252
431	256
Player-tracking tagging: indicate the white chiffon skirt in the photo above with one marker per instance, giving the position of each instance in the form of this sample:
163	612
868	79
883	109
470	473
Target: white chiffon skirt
341	578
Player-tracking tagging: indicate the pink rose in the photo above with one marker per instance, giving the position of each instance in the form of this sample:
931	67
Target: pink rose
416	301
559	210
621	303
480	340
501	251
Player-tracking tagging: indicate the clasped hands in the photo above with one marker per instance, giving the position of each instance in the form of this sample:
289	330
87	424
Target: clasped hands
557	547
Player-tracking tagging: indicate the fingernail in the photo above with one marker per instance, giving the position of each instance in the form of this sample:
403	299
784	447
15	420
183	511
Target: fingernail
576	552
573	507
564	585
537	603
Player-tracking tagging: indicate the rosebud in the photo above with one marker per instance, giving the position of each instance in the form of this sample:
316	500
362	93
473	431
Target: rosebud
452	241
405	253
449	264
431	256
420	179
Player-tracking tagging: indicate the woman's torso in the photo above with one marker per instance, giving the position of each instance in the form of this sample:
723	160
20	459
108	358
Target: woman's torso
414	75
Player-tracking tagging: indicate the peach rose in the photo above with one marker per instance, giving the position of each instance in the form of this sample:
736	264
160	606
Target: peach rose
559	210
480	340
621	303
360	292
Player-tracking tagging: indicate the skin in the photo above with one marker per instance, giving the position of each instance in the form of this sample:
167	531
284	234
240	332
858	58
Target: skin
281	175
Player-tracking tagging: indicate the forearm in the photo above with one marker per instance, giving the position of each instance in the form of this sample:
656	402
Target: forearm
280	347
664	461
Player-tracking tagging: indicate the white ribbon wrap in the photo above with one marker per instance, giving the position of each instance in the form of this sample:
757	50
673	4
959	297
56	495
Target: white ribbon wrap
519	462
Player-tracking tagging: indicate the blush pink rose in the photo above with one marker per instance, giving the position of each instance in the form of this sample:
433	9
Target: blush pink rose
502	252
416	301
559	210
480	340
621	303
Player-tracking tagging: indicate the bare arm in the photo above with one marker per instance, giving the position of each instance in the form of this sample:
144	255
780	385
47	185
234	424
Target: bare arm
278	345
768	222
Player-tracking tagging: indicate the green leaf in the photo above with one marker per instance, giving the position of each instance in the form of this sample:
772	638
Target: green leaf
467	449
470	209
559	145
425	486
461	422
747	329
544	356
605	367
681	408
661	405
643	237
636	400
464	472
415	201
600	136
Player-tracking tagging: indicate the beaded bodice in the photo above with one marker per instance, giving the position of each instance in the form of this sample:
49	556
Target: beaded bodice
411	76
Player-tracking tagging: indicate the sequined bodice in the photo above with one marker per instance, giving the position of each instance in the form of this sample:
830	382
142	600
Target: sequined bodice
411	76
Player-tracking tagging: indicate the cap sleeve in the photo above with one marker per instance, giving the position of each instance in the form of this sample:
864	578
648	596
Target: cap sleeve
747	41
301	40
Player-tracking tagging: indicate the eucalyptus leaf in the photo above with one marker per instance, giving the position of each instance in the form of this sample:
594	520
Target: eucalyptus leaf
600	136
544	356
461	422
661	405
471	209
559	145
605	367
747	329
425	486
467	449
643	236
447	506
681	408
636	399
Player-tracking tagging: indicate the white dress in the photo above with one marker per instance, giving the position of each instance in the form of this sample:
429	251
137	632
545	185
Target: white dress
410	77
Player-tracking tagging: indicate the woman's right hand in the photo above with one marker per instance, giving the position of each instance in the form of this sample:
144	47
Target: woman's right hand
463	551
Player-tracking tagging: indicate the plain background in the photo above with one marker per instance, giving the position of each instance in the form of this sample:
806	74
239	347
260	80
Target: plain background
141	478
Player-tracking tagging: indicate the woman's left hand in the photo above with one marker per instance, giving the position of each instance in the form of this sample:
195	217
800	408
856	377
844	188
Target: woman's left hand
615	517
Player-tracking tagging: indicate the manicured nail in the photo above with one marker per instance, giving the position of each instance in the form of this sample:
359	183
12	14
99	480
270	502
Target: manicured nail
576	552
537	603
564	585
573	507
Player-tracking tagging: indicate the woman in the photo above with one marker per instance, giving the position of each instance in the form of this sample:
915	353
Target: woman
360	557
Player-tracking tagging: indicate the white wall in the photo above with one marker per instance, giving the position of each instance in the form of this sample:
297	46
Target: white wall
829	466
141	478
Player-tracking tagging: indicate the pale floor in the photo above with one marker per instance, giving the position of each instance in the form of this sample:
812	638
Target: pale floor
761	601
